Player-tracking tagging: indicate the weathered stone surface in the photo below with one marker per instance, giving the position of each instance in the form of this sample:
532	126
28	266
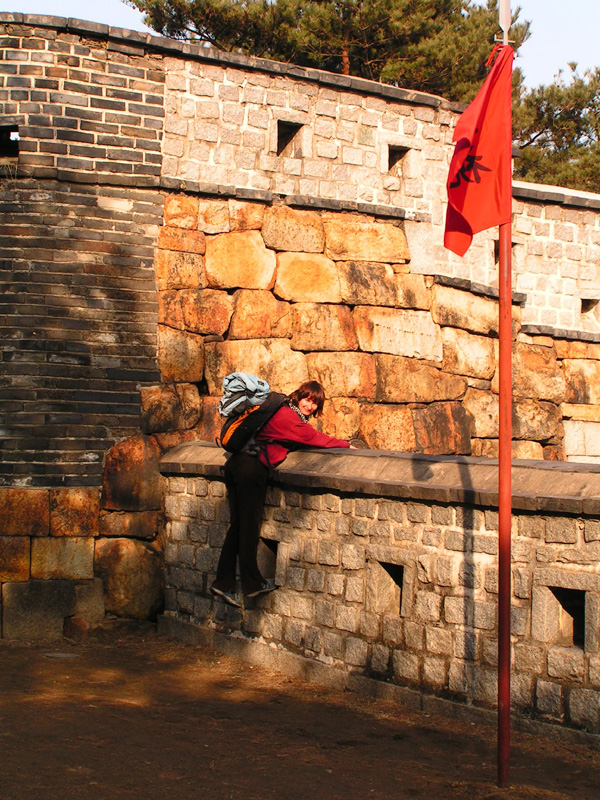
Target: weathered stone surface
582	412
322	327
74	512
206	311
367	283
466	354
169	309
36	610
181	211
581	438
536	373
344	374
246	216
14	558
176	270
400	332
483	410
24	512
172	438
582	381
131	480
349	238
89	602
290	229
536	420
387	427
270	359
442	428
406	380
239	260
488	448
306	278
129	524
180	355
459	309
259	315
185	241
209	426
412	291
62	558
132	577
169	408
341	417
213	216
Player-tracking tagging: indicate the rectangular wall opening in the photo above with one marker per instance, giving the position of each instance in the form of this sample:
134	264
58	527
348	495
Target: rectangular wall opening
571	616
389	588
9	142
267	557
289	142
395	157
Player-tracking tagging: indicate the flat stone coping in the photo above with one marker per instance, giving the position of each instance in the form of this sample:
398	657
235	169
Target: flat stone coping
549	486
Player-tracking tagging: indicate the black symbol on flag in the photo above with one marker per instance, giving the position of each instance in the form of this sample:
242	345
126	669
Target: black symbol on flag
471	165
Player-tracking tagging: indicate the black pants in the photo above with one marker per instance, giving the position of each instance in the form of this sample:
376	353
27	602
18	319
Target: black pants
246	482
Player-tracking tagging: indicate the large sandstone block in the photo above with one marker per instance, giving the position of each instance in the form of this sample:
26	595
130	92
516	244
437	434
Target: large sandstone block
344	374
400	332
175	270
181	211
65	558
536	374
213	216
406	380
466	354
483	410
459	309
412	291
89	602
258	314
322	327
131	479
180	355
586	413
169	408
170	312
74	512
536	420
24	512
366	283
14	558
129	524
239	260
286	228
131	573
185	241
272	360
246	216
582	378
341	417
489	448
36	610
208	428
171	439
387	427
206	311
582	439
307	277
349	238
442	428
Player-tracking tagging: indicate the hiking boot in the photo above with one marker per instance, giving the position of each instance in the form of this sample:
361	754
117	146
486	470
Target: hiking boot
265	588
229	597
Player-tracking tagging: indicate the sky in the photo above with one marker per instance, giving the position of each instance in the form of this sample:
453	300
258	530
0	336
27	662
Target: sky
561	31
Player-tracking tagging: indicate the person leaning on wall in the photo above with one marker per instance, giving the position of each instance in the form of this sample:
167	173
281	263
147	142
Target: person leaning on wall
246	481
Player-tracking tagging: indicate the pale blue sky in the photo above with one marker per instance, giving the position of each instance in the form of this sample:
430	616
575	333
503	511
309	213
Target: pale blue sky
561	31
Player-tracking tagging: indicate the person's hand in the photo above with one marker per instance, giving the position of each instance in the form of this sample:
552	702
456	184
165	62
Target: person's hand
352	447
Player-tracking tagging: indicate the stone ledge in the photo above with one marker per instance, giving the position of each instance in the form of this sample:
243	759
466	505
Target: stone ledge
556	195
547	486
560	333
518	298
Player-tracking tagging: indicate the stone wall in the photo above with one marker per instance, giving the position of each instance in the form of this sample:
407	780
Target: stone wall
387	568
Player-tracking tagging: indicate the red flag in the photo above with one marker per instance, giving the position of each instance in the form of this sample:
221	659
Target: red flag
480	178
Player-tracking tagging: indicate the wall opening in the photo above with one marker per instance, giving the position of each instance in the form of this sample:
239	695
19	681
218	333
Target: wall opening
589	305
387	587
267	557
288	139
9	142
571	612
395	158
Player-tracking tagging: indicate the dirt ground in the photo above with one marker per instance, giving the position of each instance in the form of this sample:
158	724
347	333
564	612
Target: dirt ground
132	715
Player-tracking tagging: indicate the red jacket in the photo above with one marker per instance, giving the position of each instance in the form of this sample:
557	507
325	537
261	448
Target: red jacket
285	431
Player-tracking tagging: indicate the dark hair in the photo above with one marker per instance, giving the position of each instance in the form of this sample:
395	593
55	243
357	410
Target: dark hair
314	391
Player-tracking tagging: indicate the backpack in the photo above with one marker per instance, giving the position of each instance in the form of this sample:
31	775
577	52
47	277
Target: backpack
248	404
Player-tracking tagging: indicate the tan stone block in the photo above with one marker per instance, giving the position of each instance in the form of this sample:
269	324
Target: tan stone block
367	283
488	448
24	512
206	311
239	260
344	374
483	409
307	277
213	216
169	309
581	412
349	238
74	512
582	379
14	558
70	558
406	380
181	211
291	229
131	573
169	408
246	216
322	327
182	240
209	426
171	439
442	429
569	349
387	427
259	315
459	309
412	292
467	354
180	355
89	602
341	417
535	420
176	270
397	331
272	360
131	479
129	524
536	374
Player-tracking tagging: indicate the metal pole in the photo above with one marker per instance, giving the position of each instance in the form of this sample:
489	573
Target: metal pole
504	505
